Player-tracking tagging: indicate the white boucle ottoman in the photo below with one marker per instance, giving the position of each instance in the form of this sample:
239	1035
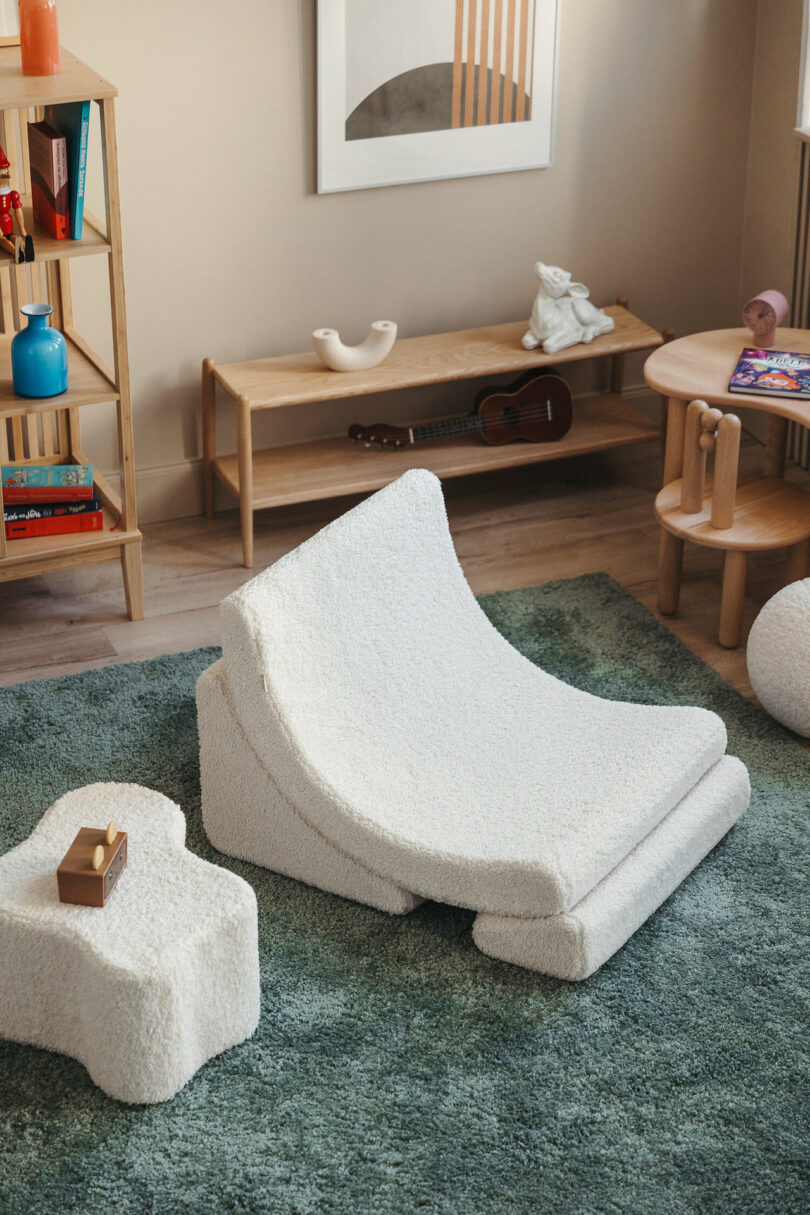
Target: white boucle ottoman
779	656
144	990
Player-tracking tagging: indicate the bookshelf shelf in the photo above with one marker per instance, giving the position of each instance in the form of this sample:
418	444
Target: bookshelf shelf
75	82
62	552
86	385
48	431
50	250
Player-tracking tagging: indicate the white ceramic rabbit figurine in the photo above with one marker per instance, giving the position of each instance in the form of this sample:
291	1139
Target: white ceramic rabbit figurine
562	314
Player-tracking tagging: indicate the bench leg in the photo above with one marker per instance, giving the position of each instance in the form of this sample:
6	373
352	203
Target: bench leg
245	445
208	435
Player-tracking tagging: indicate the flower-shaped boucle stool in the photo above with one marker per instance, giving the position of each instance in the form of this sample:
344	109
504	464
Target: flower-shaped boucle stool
144	990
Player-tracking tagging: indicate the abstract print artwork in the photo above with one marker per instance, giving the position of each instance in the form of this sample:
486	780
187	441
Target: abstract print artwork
410	90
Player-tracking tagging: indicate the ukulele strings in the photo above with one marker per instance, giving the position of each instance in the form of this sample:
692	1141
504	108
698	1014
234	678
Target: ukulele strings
538	413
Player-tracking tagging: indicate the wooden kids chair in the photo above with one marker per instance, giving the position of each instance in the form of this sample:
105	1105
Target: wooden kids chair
739	514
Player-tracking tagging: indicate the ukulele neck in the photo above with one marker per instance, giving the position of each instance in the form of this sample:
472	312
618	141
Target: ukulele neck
464	424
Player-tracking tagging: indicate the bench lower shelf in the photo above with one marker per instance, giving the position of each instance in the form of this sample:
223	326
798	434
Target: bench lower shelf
329	468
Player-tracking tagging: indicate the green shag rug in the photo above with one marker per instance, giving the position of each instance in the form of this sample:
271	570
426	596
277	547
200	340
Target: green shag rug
395	1068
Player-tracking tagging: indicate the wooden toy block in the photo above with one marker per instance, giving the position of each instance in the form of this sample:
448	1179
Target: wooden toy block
92	865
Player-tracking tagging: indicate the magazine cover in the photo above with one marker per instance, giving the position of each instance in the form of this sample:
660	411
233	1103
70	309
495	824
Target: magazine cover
777	373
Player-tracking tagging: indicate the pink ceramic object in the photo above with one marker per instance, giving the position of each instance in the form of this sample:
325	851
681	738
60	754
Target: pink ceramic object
763	313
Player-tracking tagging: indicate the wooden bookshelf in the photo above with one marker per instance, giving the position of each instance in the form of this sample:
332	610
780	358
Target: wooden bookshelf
330	467
48	431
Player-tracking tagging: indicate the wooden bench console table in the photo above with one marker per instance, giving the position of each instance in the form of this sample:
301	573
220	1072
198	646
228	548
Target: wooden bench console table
326	468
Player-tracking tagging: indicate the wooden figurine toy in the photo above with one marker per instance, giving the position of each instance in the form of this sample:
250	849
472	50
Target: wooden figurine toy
92	865
20	247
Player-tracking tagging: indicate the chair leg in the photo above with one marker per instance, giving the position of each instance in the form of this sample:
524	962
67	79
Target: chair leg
796	562
735	566
670	563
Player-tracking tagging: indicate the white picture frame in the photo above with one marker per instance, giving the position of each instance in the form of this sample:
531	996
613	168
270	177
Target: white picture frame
9	23
393	80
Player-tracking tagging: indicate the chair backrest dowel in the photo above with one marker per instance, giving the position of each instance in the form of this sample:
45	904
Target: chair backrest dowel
726	461
694	460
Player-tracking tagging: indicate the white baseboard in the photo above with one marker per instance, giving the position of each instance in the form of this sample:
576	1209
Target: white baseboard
169	491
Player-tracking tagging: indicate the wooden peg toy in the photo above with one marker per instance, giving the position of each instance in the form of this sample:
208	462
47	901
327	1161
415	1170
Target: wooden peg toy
92	865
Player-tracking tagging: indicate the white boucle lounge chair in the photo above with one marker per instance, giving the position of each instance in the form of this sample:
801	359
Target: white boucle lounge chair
369	732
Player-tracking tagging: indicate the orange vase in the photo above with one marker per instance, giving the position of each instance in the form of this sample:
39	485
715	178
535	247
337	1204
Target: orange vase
39	38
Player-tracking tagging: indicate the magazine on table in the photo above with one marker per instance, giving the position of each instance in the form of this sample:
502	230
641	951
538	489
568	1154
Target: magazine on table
775	373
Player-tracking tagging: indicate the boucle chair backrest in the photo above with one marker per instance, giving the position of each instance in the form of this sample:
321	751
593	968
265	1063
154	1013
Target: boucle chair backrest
359	635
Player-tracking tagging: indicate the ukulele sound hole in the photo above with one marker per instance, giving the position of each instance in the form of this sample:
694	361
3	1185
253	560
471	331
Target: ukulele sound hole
510	416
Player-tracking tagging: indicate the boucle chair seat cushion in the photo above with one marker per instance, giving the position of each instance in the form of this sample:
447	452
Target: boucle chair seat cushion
779	656
144	990
401	727
245	815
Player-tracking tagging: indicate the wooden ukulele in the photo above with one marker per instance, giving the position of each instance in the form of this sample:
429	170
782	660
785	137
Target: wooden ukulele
537	407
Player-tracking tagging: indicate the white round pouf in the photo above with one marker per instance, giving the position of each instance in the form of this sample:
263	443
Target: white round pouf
779	656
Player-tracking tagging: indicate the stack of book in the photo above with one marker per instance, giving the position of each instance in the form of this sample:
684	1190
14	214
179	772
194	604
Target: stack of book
58	154
49	500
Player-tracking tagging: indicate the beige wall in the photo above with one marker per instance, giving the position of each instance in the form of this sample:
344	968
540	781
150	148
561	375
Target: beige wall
769	221
773	161
229	251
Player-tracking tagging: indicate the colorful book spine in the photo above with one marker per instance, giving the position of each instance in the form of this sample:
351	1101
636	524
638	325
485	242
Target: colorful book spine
72	119
46	482
49	178
56	526
49	510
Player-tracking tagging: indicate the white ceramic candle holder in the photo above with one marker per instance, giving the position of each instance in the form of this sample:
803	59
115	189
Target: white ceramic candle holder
333	354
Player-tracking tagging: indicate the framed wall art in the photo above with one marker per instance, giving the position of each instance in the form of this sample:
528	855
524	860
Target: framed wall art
412	90
9	23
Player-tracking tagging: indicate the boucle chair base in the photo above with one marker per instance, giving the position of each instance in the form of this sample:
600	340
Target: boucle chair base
575	944
246	816
144	990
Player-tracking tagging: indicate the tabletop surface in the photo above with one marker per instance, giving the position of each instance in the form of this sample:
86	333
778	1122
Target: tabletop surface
435	358
700	366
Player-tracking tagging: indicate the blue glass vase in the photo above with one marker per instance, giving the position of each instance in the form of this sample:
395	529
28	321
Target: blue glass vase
39	365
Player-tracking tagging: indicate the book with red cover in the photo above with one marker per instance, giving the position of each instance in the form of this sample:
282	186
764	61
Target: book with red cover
46	482
49	178
57	525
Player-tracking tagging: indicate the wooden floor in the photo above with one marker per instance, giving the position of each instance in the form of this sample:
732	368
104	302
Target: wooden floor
513	528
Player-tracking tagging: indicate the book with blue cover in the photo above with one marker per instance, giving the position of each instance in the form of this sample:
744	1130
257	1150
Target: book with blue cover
775	373
46	482
72	119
